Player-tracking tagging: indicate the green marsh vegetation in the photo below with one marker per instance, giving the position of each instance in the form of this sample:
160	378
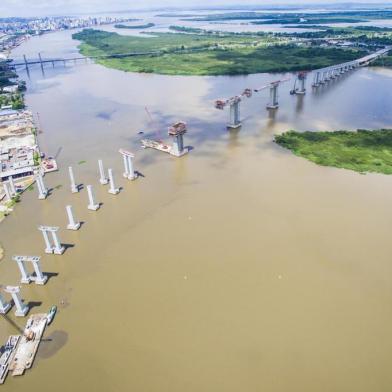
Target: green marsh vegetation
208	54
141	26
362	151
303	17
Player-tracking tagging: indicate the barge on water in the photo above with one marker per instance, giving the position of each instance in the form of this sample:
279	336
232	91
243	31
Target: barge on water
28	345
7	354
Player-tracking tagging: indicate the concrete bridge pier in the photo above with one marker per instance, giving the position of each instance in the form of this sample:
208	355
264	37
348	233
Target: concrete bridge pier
40	278
25	276
316	79
21	308
178	145
92	205
72	224
235	121
126	167
26	63
42	191
112	187
129	171
40	61
74	188
273	103
58	249
102	177
302	84
48	245
50	248
4	305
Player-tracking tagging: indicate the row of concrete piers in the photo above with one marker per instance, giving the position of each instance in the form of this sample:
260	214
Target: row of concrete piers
321	76
50	234
235	117
325	75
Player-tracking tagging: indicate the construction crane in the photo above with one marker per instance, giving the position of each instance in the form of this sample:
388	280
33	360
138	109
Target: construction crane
234	103
273	86
301	79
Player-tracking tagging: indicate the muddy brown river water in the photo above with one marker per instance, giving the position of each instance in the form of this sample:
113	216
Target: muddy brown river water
238	267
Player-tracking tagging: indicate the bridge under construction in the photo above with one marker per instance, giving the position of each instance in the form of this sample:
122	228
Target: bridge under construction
321	76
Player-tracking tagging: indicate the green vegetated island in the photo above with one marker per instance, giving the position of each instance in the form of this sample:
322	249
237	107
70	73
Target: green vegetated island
134	27
362	151
354	16
208	54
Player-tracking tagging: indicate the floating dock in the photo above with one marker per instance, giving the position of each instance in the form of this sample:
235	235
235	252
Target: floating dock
7	355
160	146
27	347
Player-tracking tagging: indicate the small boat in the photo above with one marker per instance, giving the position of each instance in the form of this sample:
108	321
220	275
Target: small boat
51	314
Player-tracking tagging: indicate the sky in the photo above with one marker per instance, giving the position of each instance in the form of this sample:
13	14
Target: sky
62	7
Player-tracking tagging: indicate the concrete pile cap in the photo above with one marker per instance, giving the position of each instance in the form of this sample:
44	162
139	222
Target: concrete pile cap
48	228
26	258
12	289
125	152
177	128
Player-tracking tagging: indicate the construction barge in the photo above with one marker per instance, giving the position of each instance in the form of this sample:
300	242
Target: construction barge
177	149
7	355
19	352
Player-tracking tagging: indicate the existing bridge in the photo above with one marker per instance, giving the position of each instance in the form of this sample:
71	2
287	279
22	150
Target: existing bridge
324	75
26	62
41	61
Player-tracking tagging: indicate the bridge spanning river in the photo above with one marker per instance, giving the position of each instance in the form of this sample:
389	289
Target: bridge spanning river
39	60
321	75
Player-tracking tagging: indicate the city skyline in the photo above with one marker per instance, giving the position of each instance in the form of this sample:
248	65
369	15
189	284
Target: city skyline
24	8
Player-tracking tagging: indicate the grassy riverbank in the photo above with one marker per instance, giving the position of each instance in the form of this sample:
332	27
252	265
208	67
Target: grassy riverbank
362	151
207	54
134	27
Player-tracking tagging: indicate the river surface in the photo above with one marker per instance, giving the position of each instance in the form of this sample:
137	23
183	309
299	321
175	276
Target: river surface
239	267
